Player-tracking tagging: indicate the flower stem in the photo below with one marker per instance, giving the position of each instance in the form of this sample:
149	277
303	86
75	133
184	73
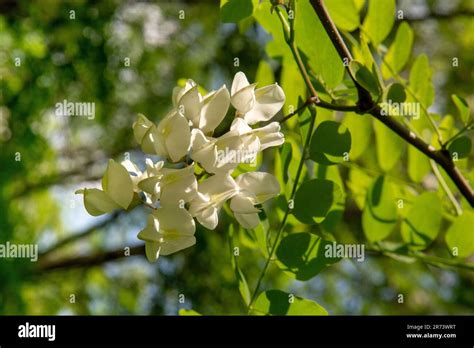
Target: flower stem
287	211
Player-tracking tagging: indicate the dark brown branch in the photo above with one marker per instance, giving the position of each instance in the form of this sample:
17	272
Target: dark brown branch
88	260
367	105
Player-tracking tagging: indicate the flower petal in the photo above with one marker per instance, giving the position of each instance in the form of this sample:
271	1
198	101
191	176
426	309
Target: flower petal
177	185
268	101
243	205
263	185
269	135
140	127
97	202
244	99
248	221
175	220
152	251
117	183
214	110
190	105
176	134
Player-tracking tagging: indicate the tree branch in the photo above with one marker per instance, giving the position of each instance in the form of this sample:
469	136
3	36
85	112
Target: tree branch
88	260
367	105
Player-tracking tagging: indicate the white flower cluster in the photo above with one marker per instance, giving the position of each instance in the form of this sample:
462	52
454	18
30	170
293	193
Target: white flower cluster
184	139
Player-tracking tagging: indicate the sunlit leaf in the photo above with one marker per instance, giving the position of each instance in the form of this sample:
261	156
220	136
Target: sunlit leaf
344	13
389	146
360	127
277	302
330	143
399	52
459	237
302	255
323	57
380	212
422	223
379	20
232	11
418	164
462	106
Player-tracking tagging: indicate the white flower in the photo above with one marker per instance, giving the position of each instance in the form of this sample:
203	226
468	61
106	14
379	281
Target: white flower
255	105
170	186
241	143
213	192
205	150
267	136
205	113
171	138
168	230
252	188
117	191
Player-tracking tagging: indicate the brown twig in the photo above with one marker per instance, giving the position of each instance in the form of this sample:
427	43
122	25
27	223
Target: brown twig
367	105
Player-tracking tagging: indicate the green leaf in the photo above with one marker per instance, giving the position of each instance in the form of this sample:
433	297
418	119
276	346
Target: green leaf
264	75
302	255
277	302
117	183
330	143
188	312
380	212
360	127
418	164
423	221
462	106
232	11
365	77
379	20
396	93
271	24
334	215
344	13
314	199
304	121
399	52
420	81
294	87
460	147
459	237
243	286
260	235
446	129
323	57
389	146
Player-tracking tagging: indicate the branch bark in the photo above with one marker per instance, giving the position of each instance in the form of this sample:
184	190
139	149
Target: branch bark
88	260
367	105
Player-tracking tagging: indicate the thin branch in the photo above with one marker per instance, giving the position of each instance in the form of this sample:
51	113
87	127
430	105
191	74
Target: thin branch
446	188
89	260
367	105
466	128
428	259
287	211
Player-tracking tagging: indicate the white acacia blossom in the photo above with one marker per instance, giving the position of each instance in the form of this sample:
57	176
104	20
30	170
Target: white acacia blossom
185	141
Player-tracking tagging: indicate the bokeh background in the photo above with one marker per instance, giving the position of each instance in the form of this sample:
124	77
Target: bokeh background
85	59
